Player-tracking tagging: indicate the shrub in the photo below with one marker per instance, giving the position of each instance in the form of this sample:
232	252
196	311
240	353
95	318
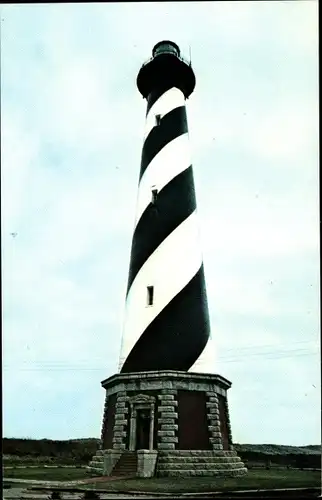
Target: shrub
79	450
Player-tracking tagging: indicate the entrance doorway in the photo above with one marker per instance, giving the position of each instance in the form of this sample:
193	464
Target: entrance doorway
143	424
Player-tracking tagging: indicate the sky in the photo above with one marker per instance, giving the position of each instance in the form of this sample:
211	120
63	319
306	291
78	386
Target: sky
72	126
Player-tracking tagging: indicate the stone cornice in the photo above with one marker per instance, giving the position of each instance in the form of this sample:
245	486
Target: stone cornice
167	375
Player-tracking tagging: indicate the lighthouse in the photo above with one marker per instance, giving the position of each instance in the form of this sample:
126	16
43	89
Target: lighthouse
166	411
166	321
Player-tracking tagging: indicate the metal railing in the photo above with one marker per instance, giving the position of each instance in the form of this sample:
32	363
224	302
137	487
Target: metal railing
182	59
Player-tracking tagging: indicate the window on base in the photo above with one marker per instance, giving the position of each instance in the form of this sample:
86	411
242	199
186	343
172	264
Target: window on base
150	295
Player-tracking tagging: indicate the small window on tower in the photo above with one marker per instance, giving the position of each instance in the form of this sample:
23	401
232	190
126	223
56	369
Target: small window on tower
150	290
157	119
154	195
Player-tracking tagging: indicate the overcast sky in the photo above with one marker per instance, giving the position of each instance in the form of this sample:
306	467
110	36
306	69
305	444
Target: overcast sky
72	125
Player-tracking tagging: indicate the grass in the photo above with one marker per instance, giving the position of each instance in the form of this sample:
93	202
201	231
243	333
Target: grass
264	479
253	480
47	474
40	461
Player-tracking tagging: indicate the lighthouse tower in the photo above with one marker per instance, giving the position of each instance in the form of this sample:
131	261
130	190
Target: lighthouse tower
166	412
166	324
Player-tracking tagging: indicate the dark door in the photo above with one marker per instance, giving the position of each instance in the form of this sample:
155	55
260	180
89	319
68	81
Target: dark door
192	421
142	429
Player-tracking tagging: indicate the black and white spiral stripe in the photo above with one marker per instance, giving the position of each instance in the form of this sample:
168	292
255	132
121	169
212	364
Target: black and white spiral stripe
170	334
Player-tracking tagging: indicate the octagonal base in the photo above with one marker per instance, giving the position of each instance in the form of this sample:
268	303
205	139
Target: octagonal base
166	423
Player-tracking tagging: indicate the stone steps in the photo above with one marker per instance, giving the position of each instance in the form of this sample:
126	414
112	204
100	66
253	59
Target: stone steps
198	465
126	465
180	463
99	472
202	459
198	453
176	463
203	472
97	463
99	458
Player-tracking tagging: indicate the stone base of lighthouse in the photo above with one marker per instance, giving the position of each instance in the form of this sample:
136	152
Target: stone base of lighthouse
166	423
